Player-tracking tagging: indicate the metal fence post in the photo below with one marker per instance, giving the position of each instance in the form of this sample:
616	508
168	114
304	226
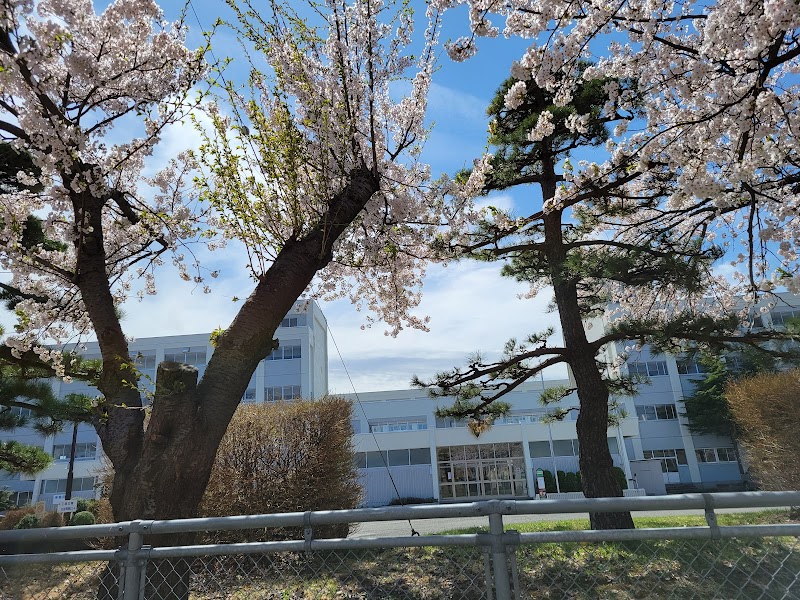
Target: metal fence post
502	584
133	565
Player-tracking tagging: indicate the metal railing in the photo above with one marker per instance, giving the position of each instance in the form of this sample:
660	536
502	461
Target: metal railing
708	561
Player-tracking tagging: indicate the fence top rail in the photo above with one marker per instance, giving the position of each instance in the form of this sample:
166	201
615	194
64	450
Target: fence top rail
429	511
660	533
75	532
485	508
470	539
75	556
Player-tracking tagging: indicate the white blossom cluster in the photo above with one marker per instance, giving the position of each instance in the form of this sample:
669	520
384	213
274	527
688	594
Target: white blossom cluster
322	110
68	78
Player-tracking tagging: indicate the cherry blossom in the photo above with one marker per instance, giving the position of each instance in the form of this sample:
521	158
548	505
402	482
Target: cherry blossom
713	117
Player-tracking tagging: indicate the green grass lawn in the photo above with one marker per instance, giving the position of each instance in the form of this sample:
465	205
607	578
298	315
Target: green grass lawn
763	517
649	570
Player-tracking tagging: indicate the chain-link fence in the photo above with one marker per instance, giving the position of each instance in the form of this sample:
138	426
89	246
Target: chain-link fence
725	562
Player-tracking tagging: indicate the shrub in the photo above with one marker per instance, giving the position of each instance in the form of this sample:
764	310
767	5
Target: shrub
764	408
101	509
52	519
580	480
15	516
85	504
549	482
7	499
284	457
562	484
29	521
570	483
620	475
83	517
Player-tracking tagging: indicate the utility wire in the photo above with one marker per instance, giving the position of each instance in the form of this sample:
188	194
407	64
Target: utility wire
375	439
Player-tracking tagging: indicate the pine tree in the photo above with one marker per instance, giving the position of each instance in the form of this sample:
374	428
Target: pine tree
572	244
27	400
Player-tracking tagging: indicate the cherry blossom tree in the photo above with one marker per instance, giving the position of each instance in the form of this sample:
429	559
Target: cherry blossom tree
313	166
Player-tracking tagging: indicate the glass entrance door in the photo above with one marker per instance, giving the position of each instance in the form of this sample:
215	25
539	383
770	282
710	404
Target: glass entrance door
482	471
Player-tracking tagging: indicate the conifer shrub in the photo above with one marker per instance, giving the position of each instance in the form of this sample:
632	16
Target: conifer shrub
411	500
101	509
29	521
570	483
83	517
549	482
621	477
85	504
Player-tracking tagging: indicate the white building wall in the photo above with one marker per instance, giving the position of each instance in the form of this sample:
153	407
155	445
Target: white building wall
413	408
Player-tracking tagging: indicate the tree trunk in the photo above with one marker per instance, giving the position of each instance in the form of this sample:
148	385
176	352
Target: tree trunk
595	460
161	472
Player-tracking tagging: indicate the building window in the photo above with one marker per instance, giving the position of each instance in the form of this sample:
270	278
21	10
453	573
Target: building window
293	322
393	458
706	455
188	356
398	458
249	395
711	455
780	319
281	392
145	363
21	498
285	353
691	367
517	418
59	486
392	425
355	424
18	411
83	451
670	459
449	422
565	447
376	459
656	412
419	456
539	449
651	368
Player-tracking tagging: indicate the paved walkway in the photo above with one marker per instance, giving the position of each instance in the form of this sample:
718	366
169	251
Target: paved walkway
429	526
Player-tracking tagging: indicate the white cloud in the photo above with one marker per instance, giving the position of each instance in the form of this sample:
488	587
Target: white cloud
500	201
472	308
457	105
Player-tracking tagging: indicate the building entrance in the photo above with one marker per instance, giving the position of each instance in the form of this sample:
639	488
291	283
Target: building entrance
481	471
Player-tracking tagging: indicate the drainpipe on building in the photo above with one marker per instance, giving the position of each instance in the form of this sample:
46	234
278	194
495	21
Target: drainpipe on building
553	458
